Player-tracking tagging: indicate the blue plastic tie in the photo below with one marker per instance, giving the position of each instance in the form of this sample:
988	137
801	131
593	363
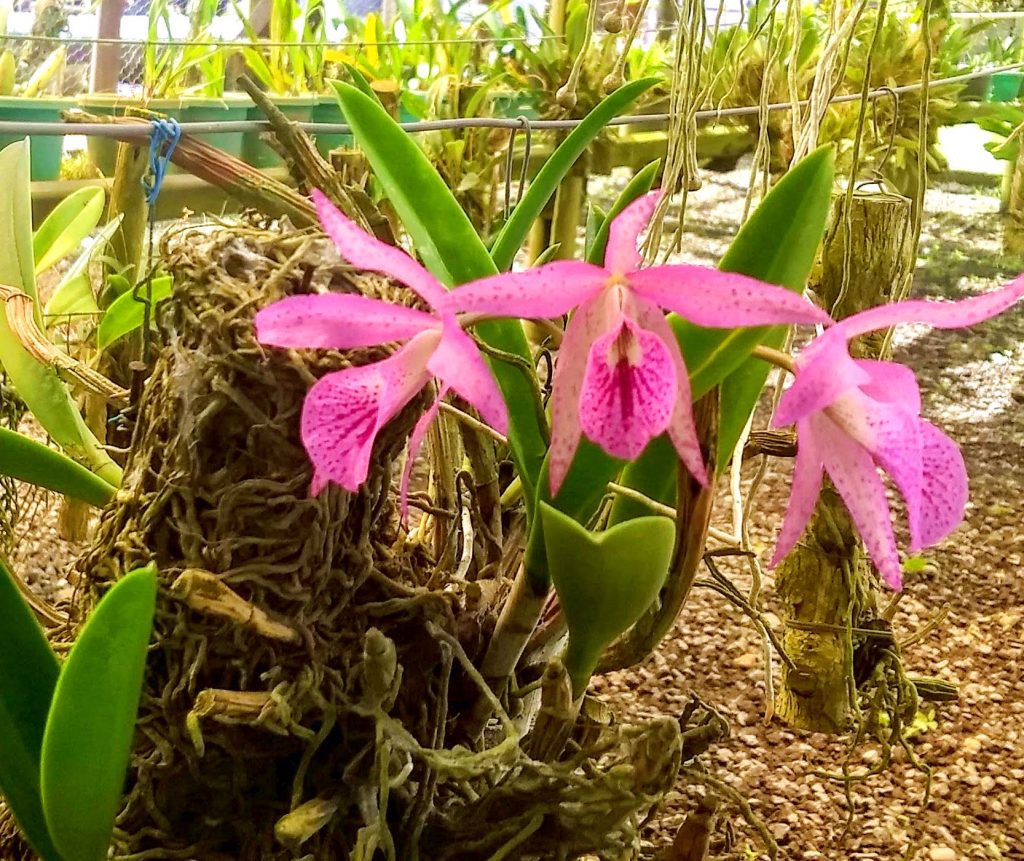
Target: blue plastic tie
162	141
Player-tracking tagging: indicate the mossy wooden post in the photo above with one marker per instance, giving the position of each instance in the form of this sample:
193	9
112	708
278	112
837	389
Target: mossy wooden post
826	583
1013	236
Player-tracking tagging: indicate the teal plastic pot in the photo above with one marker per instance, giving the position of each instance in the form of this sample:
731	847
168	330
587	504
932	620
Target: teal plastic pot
299	109
103	151
327	110
46	150
1005	86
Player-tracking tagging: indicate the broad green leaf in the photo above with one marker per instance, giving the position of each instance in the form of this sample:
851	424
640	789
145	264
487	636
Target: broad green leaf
441	232
778	244
545	184
74	294
30	461
452	251
64	229
126	313
36	383
28	674
605	581
89	732
638	186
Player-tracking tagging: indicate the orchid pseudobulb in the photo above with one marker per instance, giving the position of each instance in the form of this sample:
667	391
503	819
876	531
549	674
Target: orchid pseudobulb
345	410
853	416
619	376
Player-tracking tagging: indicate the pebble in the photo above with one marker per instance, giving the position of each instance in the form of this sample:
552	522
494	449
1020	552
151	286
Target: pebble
942	853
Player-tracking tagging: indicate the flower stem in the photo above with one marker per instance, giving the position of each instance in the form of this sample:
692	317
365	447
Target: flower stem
774	357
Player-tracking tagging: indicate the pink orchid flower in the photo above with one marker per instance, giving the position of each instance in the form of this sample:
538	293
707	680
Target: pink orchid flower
854	416
619	377
345	410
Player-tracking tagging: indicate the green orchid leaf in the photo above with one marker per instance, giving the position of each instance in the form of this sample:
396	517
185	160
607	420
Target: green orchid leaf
88	738
126	313
360	82
514	232
778	244
67	226
605	581
28	675
37	383
74	294
638	186
27	460
451	249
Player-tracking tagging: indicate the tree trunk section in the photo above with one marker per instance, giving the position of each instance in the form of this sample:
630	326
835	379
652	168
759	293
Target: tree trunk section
827	582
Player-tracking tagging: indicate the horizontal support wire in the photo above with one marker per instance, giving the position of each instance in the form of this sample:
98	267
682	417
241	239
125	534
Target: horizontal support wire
121	130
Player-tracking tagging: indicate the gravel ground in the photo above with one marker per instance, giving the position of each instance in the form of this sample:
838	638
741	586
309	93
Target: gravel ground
974	386
973	383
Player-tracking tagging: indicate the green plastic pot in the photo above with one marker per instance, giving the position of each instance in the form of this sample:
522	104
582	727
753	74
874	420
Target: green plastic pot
299	109
327	110
1005	86
103	151
46	150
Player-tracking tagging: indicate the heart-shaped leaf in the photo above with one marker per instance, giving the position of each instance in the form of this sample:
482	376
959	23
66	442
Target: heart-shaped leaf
89	732
604	580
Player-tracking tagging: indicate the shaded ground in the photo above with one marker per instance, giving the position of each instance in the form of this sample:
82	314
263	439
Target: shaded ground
974	388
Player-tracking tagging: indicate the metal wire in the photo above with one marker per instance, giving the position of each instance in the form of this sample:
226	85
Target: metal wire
113	130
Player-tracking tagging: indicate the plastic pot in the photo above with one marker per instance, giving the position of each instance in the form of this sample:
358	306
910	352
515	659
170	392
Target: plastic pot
1005	86
46	150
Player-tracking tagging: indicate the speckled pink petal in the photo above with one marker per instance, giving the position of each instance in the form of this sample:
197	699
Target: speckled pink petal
337	321
550	290
803	495
944	492
344	411
942	315
891	382
856	478
367	252
415	442
588	324
458	364
824	372
681	429
722	300
621	254
629	390
891	434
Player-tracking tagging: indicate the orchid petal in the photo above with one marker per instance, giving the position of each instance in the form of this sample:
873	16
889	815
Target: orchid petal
586	325
415	442
824	372
892	435
722	300
629	390
942	315
856	478
367	252
891	382
808	472
548	291
458	364
337	321
681	428
345	410
621	255
944	491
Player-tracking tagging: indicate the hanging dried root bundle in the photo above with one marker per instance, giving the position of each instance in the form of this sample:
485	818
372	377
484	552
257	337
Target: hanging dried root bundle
306	682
